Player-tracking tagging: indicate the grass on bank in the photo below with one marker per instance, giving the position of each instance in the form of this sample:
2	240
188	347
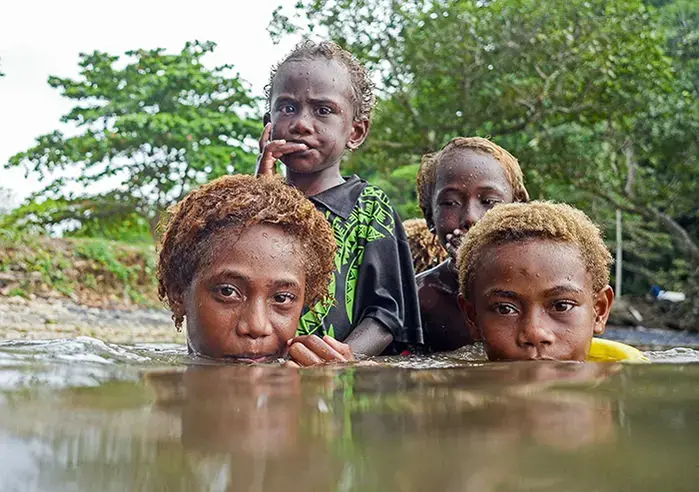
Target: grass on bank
95	272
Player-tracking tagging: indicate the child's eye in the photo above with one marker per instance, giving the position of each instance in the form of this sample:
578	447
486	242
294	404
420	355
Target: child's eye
490	202
324	110
563	306
504	309
284	298
227	292
288	109
449	203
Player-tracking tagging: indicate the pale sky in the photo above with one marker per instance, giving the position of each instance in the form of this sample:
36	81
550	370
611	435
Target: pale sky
39	38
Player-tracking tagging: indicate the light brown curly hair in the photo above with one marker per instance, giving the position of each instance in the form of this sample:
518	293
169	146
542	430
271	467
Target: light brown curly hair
234	203
427	174
425	248
517	222
363	97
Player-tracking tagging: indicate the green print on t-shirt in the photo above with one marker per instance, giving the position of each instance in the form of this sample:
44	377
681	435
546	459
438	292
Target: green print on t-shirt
371	219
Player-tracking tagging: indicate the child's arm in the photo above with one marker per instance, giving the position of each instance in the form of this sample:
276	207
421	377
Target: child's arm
271	150
370	337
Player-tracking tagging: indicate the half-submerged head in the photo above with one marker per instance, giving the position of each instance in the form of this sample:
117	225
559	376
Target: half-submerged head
459	184
239	259
321	96
533	282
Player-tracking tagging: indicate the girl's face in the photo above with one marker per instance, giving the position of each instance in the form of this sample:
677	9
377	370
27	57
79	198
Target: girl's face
467	185
246	301
311	103
534	300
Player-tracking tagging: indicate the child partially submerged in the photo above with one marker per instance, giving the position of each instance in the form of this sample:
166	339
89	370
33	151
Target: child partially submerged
533	283
456	187
240	258
320	100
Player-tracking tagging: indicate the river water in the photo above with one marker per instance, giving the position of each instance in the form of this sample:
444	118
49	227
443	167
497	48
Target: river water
82	414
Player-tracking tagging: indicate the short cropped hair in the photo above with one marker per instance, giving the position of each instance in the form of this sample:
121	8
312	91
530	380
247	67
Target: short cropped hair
232	203
518	222
362	87
427	174
425	248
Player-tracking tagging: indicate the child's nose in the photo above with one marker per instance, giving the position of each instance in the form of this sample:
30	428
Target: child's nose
253	322
302	124
469	217
534	332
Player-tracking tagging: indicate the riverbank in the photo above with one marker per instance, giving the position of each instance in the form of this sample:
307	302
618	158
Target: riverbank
33	319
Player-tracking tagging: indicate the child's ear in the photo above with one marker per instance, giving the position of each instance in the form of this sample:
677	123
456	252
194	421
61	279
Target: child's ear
468	310
360	130
603	305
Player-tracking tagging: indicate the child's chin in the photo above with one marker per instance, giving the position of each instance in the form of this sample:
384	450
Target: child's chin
300	165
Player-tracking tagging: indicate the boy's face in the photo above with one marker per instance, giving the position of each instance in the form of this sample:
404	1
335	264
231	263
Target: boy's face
467	185
534	300
311	103
246	301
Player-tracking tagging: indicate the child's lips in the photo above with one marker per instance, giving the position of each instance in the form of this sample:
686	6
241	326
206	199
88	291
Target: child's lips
257	359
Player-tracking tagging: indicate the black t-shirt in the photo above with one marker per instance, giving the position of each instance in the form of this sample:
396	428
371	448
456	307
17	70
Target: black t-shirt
374	274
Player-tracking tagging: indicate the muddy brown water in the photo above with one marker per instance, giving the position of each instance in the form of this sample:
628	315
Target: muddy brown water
82	414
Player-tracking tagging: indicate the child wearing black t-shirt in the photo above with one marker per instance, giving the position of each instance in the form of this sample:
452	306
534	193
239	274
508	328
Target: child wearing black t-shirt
320	100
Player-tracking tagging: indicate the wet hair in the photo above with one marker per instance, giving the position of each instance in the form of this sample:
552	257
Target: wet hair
425	248
427	174
519	222
228	205
363	97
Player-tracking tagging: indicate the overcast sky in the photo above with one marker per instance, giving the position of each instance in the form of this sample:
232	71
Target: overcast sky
39	38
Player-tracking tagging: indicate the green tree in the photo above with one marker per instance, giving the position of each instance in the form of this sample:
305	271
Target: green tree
154	124
589	94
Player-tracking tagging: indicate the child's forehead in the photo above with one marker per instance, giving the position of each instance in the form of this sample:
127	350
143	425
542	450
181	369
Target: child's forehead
460	163
540	260
320	75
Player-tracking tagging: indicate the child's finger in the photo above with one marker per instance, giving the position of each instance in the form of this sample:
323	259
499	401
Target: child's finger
279	148
322	349
303	356
266	135
340	347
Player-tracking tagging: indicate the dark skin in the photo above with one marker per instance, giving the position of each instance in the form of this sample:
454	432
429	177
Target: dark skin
311	126
534	300
467	185
245	303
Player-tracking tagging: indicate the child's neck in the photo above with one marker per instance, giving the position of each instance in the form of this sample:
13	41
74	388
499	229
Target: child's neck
312	184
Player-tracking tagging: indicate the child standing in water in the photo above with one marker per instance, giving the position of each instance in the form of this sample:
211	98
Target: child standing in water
456	187
533	285
320	100
239	259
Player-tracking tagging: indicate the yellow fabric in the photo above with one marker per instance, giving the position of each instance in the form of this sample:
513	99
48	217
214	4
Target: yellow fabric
603	350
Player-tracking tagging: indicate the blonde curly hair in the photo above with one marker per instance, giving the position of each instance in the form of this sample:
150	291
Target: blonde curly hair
517	222
425	248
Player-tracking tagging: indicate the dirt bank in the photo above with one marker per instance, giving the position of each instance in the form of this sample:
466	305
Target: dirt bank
29	319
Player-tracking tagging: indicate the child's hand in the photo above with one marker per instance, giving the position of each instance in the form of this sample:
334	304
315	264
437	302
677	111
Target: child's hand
311	350
453	242
271	150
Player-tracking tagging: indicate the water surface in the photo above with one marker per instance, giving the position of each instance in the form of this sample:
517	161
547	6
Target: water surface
85	415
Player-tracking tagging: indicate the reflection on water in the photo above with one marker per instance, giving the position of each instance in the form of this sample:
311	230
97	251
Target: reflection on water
148	418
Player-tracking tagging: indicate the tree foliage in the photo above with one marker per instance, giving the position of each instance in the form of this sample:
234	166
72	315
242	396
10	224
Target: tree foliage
153	125
597	99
